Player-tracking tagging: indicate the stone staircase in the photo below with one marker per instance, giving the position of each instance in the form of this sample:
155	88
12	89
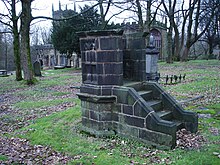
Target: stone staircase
137	110
157	105
165	107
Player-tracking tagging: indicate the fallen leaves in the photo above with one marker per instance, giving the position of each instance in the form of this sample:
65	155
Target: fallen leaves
214	131
21	151
11	119
187	140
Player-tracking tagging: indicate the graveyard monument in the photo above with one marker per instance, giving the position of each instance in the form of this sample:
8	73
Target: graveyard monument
37	68
118	92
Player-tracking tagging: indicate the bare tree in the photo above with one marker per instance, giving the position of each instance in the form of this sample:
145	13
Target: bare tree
23	43
170	11
45	35
185	23
26	18
196	14
212	34
34	35
6	19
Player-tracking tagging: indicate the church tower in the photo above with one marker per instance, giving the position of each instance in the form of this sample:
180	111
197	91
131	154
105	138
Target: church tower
60	6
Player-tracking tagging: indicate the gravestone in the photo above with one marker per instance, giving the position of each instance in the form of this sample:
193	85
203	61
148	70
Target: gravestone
151	61
37	68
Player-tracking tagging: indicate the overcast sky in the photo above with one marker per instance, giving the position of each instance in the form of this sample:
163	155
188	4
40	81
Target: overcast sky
44	8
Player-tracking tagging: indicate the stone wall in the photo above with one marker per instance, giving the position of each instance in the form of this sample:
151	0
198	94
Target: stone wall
134	57
102	57
133	27
125	113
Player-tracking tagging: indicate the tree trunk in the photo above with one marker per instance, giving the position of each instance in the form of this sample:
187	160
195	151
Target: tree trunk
176	43
16	46
25	42
16	42
102	11
177	47
6	53
148	22
210	49
139	14
185	54
169	37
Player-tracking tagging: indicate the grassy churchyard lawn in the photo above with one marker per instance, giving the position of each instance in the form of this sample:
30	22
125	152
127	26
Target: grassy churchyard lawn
39	124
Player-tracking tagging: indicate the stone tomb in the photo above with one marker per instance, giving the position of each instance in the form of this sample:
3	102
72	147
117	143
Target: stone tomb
116	97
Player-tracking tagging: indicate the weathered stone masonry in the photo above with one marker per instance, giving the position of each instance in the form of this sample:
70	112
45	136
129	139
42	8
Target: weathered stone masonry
113	104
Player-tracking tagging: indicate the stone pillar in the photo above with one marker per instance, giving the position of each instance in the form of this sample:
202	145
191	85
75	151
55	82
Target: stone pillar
102	57
58	59
102	68
134	57
151	63
49	60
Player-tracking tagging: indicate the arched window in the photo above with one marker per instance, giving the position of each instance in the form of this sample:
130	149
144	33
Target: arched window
157	40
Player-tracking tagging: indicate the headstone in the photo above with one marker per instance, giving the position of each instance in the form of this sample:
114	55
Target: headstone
37	68
151	63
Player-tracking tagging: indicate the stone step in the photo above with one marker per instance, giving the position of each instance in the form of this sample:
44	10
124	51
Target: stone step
146	95
136	85
179	124
165	115
155	104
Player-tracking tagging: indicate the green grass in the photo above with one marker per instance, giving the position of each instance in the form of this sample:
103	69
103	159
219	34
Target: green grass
57	131
209	111
193	63
203	156
216	107
40	103
9	83
57	71
213	109
55	80
199	87
61	131
40	92
3	158
206	125
200	79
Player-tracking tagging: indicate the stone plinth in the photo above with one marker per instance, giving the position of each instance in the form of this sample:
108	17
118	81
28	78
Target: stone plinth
134	57
102	68
102	57
151	63
138	110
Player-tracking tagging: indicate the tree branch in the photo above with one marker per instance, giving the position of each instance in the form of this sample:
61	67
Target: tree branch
7	24
63	19
115	15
